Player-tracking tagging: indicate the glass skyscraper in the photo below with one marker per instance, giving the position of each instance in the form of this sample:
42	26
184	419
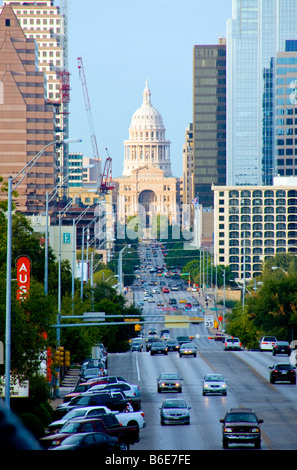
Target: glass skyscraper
257	31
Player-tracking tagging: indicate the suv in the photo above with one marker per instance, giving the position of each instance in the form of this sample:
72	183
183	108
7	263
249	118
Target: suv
232	343
241	425
282	373
267	343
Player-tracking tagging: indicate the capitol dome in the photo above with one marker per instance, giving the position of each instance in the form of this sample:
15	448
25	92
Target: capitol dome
147	144
146	117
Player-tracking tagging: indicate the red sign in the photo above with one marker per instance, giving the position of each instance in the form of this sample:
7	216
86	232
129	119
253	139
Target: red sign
23	277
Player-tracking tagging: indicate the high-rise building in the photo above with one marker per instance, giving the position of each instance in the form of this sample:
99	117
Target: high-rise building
253	224
257	31
47	24
27	119
286	111
187	190
209	119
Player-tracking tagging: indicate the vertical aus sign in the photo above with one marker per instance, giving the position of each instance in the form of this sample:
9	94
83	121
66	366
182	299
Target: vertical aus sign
23	277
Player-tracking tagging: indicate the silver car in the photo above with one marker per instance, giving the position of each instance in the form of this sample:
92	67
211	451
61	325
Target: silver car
169	381
214	383
187	349
174	410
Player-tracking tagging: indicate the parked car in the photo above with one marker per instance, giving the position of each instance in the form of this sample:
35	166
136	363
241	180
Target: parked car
214	384
232	343
281	347
267	343
241	426
169	382
158	348
281	372
188	349
174	410
125	434
89	441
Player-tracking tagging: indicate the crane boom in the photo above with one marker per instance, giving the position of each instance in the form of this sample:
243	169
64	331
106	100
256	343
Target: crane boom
88	107
104	180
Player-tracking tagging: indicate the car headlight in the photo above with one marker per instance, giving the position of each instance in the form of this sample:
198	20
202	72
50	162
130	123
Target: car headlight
177	384
255	430
224	386
227	429
206	385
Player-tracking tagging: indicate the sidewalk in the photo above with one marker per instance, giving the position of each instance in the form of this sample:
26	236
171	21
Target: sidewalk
67	385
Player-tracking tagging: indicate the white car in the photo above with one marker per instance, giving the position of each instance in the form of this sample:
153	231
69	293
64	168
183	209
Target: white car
267	343
129	390
214	384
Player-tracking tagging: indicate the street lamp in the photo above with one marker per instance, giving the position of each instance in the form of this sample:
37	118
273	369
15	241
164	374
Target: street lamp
120	267
278	267
22	174
54	191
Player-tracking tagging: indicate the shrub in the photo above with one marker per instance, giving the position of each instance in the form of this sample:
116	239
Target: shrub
33	424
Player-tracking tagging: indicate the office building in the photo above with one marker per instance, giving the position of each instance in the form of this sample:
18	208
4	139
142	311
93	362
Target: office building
209	120
47	24
253	224
27	120
256	33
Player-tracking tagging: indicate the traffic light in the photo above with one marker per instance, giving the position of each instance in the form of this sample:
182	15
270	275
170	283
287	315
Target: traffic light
59	356
67	359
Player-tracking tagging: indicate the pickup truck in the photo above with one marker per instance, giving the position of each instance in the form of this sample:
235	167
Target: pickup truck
108	424
125	418
115	401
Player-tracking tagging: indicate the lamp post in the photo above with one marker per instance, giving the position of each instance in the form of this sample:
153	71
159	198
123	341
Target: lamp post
54	191
120	267
21	174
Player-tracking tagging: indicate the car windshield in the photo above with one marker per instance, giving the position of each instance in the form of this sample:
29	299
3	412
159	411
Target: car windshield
70	427
214	378
241	417
187	345
75	414
169	377
175	404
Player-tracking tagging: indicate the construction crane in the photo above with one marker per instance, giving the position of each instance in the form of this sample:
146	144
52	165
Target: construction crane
104	180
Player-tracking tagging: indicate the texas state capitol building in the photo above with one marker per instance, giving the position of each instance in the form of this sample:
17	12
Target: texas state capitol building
147	186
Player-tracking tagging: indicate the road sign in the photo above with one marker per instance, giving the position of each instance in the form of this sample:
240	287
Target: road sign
208	321
176	321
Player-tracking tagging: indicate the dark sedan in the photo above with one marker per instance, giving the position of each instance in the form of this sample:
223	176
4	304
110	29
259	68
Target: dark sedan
282	373
281	347
172	345
159	348
88	441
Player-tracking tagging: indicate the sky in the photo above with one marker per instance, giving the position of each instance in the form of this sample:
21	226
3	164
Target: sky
124	42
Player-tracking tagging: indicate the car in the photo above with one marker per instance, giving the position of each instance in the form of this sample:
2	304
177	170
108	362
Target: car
152	332
89	441
165	333
165	290
241	426
281	372
174	410
281	347
150	341
182	301
93	372
158	348
136	344
172	344
214	384
103	398
187	349
232	344
87	412
151	300
174	287
169	381
267	343
219	337
188	306
172	301
184	339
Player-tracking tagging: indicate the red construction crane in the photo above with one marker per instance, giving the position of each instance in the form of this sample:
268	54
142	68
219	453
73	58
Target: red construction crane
104	180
